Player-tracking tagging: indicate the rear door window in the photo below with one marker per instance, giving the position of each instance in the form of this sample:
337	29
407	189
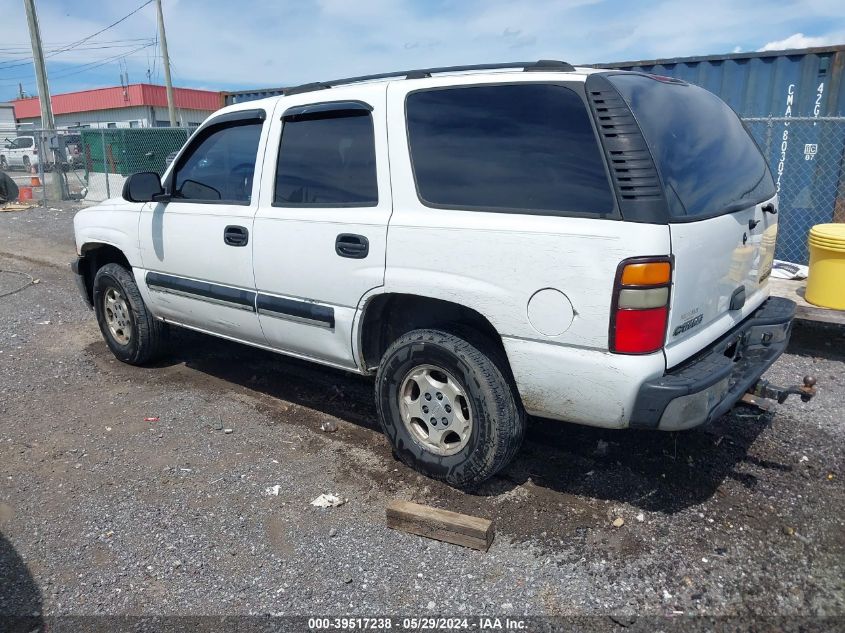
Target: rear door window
327	159
523	148
709	163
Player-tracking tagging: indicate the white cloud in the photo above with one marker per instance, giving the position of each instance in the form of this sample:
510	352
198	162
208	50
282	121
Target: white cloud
799	40
233	45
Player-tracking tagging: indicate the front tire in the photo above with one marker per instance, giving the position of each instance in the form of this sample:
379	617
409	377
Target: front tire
448	407
132	333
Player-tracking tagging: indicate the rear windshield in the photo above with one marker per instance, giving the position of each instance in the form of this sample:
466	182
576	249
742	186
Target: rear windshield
702	150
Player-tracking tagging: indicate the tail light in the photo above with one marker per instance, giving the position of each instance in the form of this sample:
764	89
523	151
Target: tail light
34	151
640	307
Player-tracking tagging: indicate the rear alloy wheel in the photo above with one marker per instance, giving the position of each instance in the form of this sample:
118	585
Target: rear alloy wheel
435	410
448	406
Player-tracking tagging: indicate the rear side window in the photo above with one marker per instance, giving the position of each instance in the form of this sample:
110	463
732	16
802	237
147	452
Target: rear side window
521	148
327	159
709	163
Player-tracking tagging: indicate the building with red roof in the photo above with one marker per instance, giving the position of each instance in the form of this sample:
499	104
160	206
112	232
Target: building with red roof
135	105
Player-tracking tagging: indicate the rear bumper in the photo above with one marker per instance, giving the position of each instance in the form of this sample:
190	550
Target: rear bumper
706	387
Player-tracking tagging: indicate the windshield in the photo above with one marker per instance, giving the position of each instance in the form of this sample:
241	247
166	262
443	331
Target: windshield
709	163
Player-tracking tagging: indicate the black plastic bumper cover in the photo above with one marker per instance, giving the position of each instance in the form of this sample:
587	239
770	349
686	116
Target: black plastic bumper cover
742	356
78	267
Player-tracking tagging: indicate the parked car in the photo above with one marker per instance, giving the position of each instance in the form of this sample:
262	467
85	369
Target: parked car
588	246
19	153
73	150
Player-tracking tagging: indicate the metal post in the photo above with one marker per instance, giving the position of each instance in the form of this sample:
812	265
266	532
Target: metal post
105	163
171	106
47	122
41	176
769	138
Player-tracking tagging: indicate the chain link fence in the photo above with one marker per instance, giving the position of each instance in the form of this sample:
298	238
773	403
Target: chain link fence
807	159
806	156
88	165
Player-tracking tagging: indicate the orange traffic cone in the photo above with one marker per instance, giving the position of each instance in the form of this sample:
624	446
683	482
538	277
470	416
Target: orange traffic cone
34	181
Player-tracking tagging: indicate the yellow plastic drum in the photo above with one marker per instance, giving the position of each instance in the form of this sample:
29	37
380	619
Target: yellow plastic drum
826	280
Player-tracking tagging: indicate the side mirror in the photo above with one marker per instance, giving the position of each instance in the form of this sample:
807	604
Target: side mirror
144	187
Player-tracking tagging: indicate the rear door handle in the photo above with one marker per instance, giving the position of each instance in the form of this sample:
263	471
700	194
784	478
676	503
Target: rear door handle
236	235
352	246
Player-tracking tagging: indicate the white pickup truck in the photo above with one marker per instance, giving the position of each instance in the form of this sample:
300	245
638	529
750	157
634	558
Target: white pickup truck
584	245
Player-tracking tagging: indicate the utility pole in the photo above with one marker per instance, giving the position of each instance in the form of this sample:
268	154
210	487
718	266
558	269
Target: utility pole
171	106
47	122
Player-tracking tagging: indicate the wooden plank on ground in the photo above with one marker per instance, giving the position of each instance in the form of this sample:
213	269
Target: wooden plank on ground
442	525
794	290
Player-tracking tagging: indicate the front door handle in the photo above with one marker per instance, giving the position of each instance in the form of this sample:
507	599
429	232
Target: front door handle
352	246
235	235
752	224
769	208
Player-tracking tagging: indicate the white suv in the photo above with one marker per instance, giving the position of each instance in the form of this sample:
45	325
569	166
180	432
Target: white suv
20	152
490	242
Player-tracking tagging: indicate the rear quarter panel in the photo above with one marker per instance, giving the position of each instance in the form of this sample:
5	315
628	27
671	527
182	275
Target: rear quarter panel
495	262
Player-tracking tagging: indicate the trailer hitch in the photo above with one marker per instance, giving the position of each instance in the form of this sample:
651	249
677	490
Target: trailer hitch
765	389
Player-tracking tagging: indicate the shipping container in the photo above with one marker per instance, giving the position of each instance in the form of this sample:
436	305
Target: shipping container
240	96
802	82
792	102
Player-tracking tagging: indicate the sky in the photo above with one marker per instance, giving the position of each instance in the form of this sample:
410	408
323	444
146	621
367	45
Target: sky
238	44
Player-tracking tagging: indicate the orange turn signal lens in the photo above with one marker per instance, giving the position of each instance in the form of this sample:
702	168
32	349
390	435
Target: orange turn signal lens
647	274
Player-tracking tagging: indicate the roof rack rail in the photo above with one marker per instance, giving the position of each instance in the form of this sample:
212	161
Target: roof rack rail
419	73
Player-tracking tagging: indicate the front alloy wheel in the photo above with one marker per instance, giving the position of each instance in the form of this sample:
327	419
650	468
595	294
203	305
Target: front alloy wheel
117	316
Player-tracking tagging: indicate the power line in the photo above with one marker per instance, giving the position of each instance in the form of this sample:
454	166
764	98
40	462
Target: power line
88	66
113	24
77	43
6	65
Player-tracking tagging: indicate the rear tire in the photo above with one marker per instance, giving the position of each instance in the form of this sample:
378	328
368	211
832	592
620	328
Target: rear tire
448	407
132	333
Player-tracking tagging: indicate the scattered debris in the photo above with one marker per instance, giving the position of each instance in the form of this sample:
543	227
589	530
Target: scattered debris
153	418
272	491
217	426
442	525
640	517
328	427
328	501
228	431
601	448
803	459
618	522
17	206
789	531
347	579
43	323
332	533
623	620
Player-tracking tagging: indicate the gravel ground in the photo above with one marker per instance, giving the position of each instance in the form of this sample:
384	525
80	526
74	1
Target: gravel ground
124	492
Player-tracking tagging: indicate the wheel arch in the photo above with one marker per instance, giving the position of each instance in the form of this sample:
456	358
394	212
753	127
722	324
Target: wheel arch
95	255
387	316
